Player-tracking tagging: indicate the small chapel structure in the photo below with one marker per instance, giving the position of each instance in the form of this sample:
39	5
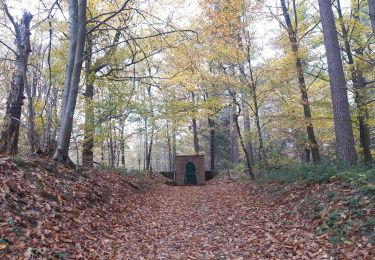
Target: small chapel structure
189	170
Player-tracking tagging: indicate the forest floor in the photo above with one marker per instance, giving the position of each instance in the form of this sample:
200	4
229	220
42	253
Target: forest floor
48	211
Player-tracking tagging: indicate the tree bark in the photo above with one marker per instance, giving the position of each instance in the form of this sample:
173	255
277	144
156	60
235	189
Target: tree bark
247	157
359	86
169	143
110	149
261	151
195	133
90	69
174	146
233	137
33	140
149	143
122	143
363	117
371	7
10	132
292	33
343	126
149	150
73	72
88	138
262	155
195	129
247	133
211	125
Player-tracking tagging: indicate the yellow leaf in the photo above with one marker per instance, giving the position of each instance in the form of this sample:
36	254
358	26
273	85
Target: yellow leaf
3	246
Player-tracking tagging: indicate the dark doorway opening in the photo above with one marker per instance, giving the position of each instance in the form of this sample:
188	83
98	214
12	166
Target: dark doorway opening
190	174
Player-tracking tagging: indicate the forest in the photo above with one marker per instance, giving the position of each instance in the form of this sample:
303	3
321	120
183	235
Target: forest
99	99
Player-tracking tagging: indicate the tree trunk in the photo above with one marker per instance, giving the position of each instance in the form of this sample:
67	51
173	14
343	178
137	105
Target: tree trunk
292	33
195	129
102	148
262	152
363	117
149	143
343	126
247	133
359	86
47	144
195	133
233	137
73	72
122	143
149	150
211	125
174	147
49	135
247	157
371	7
145	145
110	150
262	155
11	126
170	167
33	140
88	138
90	69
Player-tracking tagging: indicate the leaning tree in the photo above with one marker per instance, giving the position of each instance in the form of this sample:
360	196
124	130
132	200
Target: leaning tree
77	34
9	135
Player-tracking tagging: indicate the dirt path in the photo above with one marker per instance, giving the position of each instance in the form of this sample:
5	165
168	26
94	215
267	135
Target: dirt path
220	221
50	212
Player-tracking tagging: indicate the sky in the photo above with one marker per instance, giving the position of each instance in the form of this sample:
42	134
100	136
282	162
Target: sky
184	9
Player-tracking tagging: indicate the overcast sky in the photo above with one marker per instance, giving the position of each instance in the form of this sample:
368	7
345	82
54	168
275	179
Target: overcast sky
185	10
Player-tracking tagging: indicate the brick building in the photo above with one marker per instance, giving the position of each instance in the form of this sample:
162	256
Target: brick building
190	170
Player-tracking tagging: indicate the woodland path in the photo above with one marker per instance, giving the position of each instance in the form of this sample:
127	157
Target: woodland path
54	211
218	221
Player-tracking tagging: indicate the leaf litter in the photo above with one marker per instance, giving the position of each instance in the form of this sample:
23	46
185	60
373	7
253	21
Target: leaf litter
48	211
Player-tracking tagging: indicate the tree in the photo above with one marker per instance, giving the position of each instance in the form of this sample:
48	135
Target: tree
233	134
77	18
371	7
343	127
91	68
236	114
359	82
10	131
252	84
294	42
195	128
247	132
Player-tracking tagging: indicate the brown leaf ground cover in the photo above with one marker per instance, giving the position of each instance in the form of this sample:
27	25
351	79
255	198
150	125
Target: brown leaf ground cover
48	211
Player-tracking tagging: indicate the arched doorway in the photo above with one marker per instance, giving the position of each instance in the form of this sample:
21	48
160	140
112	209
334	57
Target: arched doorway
190	174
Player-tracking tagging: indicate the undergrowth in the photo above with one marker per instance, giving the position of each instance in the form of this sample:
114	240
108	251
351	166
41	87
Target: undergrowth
344	207
121	170
21	163
359	175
